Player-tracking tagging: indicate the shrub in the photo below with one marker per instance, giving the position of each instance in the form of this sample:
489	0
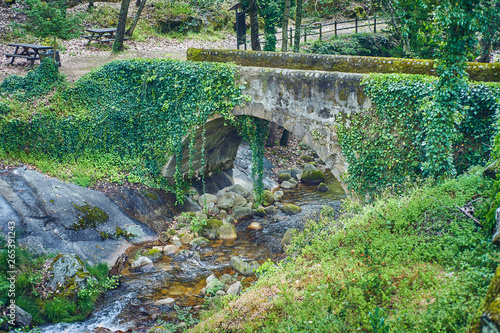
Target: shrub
363	44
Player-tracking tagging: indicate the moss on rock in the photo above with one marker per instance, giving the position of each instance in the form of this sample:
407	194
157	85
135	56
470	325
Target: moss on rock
313	177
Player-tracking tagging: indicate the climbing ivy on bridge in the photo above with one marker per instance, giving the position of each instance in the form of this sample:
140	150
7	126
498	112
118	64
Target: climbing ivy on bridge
387	146
136	110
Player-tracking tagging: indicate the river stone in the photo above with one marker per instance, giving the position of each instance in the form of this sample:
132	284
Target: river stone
186	238
242	267
287	238
260	212
207	197
184	219
268	198
201	216
242	213
177	243
210	229
228	219
271	210
226	279
210	278
165	301
153	254
215	210
294	182
147	268
287	185
283	176
254	226
220	293
164	237
200	241
309	167
313	177
68	271
23	318
168	250
231	199
278	195
322	187
140	262
234	289
295	171
290	209
227	232
239	189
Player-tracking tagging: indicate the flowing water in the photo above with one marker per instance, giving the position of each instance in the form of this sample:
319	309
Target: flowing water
131	306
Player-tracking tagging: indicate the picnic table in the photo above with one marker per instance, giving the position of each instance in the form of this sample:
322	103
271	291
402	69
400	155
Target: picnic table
101	35
28	51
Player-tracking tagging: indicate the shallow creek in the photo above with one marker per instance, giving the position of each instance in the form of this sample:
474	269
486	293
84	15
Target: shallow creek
131	306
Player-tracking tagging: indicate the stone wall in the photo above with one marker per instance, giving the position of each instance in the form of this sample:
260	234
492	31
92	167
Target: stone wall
338	63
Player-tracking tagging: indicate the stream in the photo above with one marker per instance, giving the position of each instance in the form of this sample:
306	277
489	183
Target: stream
132	306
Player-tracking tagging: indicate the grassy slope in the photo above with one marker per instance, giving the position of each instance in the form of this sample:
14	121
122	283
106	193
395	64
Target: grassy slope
405	264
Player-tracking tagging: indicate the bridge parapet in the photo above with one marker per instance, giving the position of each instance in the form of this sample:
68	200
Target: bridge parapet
339	63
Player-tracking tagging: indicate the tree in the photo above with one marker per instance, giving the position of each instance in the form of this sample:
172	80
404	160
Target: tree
284	27
298	23
120	30
272	13
130	30
491	15
254	25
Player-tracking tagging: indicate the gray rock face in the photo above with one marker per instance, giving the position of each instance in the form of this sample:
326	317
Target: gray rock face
239	189
44	208
23	318
231	199
68	270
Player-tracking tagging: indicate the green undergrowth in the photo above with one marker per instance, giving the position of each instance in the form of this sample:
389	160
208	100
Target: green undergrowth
122	121
408	263
32	295
362	44
387	146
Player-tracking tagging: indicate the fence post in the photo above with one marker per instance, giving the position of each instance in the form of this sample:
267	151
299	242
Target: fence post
335	28
320	31
305	35
356	24
375	23
291	37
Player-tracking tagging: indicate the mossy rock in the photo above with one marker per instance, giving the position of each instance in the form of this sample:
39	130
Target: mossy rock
322	187
313	177
488	316
200	241
68	274
307	158
153	254
210	229
260	212
310	167
227	232
242	213
242	267
287	238
290	209
268	198
284	176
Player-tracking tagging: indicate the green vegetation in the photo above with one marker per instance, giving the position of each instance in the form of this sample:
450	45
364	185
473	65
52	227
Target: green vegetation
88	217
387	146
33	296
410	263
362	44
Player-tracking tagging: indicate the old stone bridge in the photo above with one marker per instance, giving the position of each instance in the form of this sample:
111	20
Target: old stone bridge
305	96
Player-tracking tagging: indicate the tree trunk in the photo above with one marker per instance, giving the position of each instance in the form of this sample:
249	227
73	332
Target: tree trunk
284	28
137	3
120	30
254	25
285	138
130	30
485	44
298	23
273	135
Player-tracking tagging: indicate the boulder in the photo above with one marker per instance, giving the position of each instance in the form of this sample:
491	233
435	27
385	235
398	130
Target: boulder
489	320
231	199
242	267
168	250
287	185
295	171
254	226
271	210
293	181
226	279
241	213
322	187
140	262
210	229
200	241
186	238
207	197
68	272
278	195
239	189
23	318
282	176
287	238
227	232
313	177
153	254
309	167
165	301
260	212
268	198
234	289
290	209
215	210
164	237
228	219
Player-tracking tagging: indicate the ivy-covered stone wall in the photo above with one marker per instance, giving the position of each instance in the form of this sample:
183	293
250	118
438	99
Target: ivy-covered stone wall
338	63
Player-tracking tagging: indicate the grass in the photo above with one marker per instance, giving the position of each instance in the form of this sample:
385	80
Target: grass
410	263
